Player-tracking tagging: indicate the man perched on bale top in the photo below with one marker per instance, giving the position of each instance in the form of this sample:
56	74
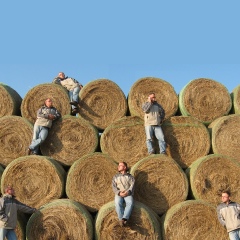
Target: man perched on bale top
45	116
123	187
73	87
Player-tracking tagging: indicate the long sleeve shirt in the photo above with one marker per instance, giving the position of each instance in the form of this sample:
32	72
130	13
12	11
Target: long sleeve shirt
123	182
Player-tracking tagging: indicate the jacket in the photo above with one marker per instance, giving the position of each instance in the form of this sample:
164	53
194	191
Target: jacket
68	83
229	215
154	113
8	211
42	116
123	182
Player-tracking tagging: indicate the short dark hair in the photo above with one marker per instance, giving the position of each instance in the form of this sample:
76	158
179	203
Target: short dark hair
152	93
227	192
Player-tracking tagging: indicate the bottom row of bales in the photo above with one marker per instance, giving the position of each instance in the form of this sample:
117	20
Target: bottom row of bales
68	202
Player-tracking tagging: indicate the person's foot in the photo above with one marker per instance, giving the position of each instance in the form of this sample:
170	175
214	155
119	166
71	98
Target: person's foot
74	103
29	151
74	111
124	220
151	153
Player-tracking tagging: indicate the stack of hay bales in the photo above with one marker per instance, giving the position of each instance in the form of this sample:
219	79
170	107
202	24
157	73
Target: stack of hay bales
71	183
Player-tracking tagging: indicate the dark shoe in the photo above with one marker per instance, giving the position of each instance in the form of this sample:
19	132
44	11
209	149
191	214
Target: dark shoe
74	103
29	151
151	153
74	111
124	220
164	153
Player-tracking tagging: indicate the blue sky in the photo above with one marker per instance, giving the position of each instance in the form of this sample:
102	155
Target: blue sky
120	40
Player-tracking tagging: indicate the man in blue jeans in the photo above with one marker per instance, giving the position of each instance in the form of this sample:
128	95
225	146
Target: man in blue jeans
123	187
153	118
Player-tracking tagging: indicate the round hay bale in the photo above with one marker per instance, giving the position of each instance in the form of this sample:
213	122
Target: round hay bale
36	97
69	139
36	179
20	229
151	175
102	102
125	140
193	219
212	174
60	219
10	101
1	172
226	135
204	99
93	173
164	91
236	99
142	224
187	139
15	137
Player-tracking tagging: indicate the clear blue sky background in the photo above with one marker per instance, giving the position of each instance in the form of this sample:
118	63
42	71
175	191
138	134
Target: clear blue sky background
120	40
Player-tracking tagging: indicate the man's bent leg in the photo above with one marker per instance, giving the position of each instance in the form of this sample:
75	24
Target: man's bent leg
11	235
160	137
149	135
129	207
119	206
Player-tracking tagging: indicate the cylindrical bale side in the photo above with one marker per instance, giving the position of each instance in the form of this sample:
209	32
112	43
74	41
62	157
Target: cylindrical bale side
193	219
15	137
125	140
225	132
212	174
10	101
204	99
69	139
89	180
187	139
20	229
36	179
60	219
102	102
35	98
1	172
159	182
142	224
236	99
165	94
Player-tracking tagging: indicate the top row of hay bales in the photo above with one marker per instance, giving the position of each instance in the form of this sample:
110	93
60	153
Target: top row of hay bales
103	102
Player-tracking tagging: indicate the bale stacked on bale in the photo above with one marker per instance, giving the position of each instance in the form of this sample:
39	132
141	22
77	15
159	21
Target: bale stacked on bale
204	99
10	101
143	224
193	219
89	180
102	102
187	139
164	91
151	175
212	174
60	219
225	133
236	99
15	137
36	97
124	140
69	139
36	179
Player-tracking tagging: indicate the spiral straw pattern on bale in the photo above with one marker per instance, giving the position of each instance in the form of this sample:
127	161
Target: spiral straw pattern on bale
187	139
89	180
102	102
124	140
226	136
60	219
212	174
204	99
15	137
36	179
69	139
36	97
151	175
142	224
165	94
10	101
236	99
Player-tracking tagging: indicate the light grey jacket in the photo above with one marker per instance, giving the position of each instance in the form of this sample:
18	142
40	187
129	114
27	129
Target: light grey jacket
123	182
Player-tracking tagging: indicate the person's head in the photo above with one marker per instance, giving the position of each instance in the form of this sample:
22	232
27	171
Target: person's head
48	102
122	167
226	196
9	190
152	97
61	75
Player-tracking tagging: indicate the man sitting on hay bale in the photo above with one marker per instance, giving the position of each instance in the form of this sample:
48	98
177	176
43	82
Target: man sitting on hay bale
73	87
123	187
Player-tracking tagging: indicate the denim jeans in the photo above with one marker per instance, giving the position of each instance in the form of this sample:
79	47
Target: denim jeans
235	234
124	206
9	233
157	130
74	95
40	133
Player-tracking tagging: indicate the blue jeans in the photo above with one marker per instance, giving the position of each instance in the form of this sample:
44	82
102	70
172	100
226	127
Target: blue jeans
9	233
157	130
40	133
74	95
124	206
235	234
